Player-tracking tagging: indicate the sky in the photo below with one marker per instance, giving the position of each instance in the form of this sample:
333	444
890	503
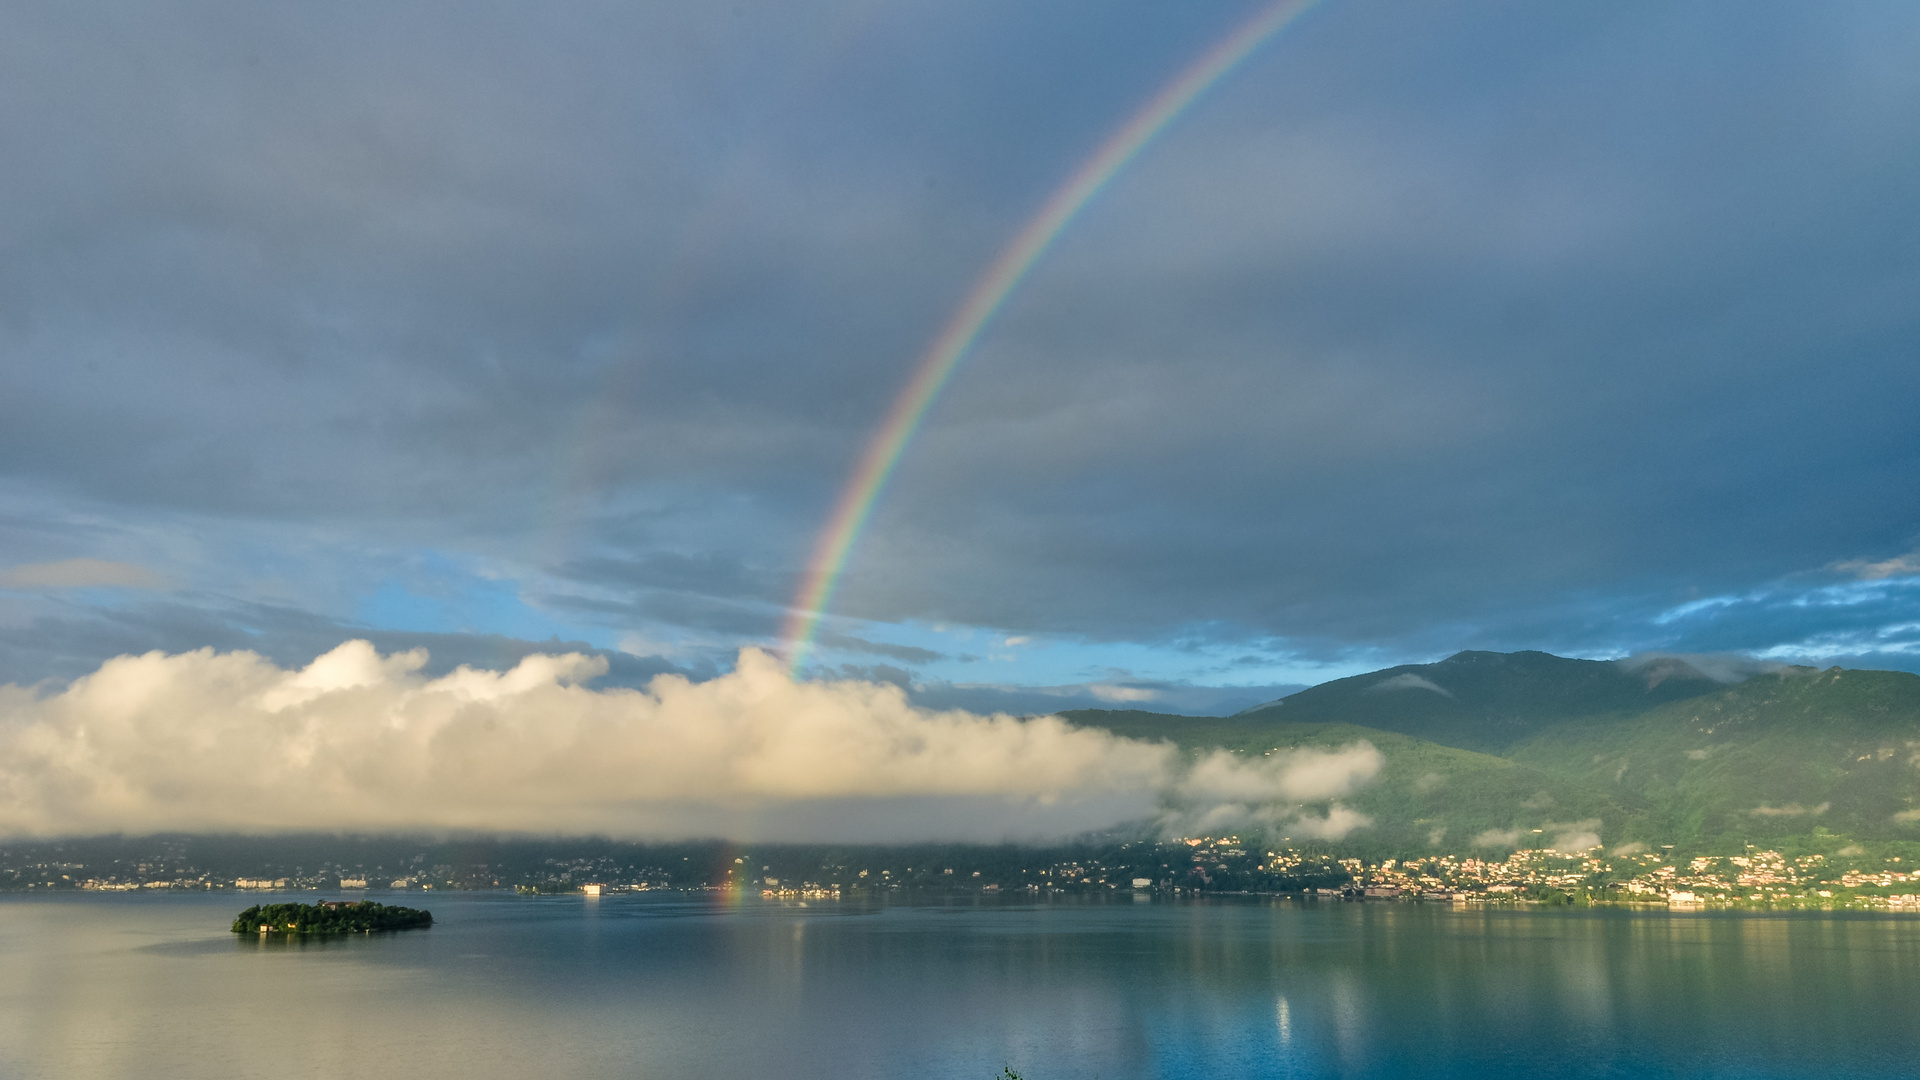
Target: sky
529	328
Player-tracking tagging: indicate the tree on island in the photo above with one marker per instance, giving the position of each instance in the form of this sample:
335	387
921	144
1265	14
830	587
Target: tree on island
329	918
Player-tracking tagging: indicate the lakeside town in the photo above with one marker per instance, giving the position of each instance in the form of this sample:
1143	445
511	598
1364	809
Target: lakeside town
1762	879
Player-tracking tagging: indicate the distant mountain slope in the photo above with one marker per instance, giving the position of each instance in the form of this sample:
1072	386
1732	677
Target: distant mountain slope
1655	754
1778	755
1428	797
1490	701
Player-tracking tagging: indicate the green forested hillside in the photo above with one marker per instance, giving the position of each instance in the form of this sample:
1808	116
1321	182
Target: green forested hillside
1490	701
1826	757
1427	797
1778	755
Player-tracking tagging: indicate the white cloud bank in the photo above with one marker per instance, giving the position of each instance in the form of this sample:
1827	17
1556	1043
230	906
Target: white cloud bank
1565	837
1407	680
1223	793
206	741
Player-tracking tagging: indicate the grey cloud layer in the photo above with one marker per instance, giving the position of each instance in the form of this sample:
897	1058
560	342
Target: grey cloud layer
1461	327
1539	339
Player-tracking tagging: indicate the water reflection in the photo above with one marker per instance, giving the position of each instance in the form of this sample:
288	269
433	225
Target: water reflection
672	986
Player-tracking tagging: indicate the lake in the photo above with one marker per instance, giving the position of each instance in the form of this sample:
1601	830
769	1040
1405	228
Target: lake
677	986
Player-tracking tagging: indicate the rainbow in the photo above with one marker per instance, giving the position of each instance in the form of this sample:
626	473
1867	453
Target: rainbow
943	355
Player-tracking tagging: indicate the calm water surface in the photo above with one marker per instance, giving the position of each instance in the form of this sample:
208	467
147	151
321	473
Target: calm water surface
665	986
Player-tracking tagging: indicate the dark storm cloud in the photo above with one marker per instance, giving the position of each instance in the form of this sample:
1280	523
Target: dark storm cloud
1466	326
1484	347
351	261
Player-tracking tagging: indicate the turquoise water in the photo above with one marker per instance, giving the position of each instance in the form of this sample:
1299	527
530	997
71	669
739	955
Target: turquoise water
655	985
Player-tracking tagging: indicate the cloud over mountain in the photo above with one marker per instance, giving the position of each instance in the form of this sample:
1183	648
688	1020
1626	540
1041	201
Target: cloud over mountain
358	740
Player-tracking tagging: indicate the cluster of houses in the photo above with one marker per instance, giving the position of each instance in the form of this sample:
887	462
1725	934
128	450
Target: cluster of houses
1755	879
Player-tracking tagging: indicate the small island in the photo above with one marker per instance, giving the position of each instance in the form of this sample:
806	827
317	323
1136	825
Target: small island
329	917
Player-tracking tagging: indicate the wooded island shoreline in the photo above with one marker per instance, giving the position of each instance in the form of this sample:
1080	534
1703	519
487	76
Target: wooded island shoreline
330	917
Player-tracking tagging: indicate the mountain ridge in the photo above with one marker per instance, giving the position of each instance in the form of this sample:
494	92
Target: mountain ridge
1822	759
1489	701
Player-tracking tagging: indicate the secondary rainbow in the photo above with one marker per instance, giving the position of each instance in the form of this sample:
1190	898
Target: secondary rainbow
943	356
